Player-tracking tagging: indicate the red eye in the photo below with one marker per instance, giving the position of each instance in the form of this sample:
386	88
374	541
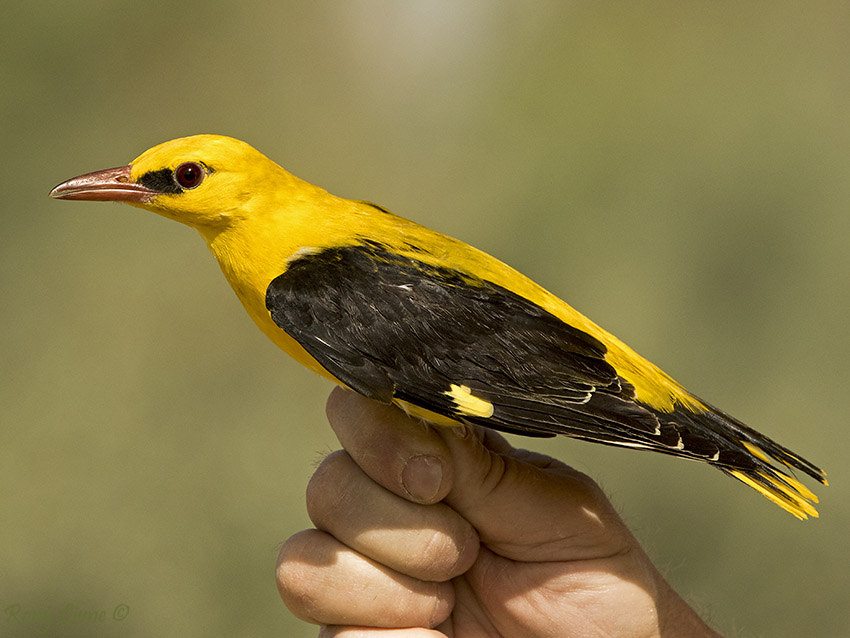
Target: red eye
189	175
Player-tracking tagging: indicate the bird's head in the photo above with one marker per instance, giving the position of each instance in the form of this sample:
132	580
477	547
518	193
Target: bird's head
204	181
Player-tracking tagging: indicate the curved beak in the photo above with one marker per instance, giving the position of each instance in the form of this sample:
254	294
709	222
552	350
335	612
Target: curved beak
110	185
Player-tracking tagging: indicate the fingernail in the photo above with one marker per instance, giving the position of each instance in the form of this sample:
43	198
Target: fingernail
422	477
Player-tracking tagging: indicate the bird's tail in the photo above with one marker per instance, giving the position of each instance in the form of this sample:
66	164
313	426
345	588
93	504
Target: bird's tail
765	465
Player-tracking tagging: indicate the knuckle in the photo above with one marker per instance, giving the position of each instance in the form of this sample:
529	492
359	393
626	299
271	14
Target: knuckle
330	486
445	555
295	575
328	472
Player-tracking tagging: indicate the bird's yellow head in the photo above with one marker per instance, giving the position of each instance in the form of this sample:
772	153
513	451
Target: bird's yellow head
204	181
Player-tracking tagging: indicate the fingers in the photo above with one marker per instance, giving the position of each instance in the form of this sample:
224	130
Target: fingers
324	582
400	508
378	557
428	542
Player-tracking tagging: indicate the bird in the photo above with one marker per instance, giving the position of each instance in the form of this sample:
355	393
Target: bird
408	316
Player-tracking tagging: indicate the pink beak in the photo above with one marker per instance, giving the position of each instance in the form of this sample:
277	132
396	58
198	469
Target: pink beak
109	185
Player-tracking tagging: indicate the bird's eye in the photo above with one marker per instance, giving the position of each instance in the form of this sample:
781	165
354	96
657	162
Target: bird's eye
189	174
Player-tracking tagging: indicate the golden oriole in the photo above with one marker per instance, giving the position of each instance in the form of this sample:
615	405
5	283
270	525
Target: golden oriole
405	315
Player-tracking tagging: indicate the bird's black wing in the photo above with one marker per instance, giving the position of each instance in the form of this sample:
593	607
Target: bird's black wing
394	327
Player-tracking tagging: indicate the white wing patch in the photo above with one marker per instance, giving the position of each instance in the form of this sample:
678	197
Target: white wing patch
468	404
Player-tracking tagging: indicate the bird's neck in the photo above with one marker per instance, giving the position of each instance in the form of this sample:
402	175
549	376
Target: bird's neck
258	247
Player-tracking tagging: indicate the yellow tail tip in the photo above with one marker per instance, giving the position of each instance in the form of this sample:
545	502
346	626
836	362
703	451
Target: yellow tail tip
787	492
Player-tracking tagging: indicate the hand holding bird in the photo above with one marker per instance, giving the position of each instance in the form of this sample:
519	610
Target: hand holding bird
417	527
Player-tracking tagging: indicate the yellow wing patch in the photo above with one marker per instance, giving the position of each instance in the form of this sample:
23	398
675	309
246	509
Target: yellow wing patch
469	404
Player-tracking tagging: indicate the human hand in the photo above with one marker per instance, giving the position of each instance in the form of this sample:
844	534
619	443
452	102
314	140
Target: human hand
426	531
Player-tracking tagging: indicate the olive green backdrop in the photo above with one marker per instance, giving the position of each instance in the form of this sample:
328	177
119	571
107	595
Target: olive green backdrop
678	171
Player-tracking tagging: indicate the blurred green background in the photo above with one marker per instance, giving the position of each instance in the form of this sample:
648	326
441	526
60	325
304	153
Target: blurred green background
677	171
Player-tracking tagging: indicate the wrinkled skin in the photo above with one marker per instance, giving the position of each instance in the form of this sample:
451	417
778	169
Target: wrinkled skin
424	531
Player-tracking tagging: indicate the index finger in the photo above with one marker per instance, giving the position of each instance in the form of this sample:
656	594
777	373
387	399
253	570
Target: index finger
403	454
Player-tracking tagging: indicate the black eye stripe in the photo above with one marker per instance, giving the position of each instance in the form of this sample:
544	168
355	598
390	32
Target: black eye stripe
161	181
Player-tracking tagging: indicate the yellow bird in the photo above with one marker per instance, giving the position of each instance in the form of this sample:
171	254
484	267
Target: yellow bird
405	315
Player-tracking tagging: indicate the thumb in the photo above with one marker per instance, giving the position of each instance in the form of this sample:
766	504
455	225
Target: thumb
528	506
